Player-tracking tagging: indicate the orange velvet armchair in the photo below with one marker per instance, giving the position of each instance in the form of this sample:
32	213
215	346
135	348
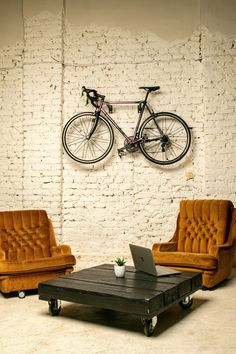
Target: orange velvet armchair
204	240
29	253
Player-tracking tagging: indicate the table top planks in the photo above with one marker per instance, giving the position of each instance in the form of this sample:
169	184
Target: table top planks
137	292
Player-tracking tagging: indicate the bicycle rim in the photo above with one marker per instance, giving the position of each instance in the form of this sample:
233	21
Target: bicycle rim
166	138
79	147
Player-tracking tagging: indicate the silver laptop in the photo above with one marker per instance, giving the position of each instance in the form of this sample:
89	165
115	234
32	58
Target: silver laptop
143	261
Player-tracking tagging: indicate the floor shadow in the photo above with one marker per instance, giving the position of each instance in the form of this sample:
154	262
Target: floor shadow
101	317
124	321
176	314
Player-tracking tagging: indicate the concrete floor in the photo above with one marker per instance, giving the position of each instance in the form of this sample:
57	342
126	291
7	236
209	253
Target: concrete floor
209	326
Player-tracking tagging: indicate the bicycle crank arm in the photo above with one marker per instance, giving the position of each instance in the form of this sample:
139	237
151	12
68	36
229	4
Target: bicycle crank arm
121	152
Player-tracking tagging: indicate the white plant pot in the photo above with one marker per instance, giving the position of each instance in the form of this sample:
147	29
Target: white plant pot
119	271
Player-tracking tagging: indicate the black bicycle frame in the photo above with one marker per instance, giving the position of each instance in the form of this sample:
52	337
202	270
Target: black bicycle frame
133	139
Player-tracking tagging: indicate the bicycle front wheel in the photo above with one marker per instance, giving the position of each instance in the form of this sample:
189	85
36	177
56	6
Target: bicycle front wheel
165	138
78	145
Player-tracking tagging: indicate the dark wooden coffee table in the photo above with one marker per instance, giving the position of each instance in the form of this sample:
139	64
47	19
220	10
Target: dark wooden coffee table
136	293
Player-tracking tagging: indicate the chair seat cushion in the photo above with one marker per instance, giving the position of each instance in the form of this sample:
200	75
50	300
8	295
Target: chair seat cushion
185	259
37	265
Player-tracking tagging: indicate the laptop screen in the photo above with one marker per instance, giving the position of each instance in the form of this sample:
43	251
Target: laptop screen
143	261
142	258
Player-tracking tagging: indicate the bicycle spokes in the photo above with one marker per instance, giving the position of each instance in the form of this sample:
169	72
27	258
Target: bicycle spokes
80	145
166	138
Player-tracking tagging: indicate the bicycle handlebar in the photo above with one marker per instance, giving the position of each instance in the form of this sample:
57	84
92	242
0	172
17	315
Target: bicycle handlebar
93	96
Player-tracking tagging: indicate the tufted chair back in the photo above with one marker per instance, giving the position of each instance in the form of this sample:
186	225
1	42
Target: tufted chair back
25	235
203	224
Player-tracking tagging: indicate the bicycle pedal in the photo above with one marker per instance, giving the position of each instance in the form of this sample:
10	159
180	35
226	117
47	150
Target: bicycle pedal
121	152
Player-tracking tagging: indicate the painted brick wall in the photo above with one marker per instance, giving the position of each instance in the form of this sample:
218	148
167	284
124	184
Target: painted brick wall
100	209
11	142
42	112
130	199
220	115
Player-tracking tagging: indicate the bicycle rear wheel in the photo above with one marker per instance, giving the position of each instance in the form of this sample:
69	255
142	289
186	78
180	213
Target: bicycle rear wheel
81	148
165	137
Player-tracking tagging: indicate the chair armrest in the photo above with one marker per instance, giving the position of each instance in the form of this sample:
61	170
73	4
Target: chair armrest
225	255
165	247
60	250
2	255
218	250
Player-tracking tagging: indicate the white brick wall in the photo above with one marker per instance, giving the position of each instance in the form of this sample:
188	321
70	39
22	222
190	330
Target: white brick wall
99	210
220	115
42	107
11	142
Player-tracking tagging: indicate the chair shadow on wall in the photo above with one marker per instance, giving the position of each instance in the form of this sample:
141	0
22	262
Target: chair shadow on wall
128	322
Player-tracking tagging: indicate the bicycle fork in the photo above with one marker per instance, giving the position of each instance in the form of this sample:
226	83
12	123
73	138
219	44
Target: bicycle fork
97	115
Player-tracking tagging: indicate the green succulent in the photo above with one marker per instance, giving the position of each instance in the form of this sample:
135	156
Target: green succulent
120	261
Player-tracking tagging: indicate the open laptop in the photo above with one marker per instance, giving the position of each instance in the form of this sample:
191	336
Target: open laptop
143	261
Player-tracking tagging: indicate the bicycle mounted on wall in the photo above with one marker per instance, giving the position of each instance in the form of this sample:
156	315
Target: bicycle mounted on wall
164	138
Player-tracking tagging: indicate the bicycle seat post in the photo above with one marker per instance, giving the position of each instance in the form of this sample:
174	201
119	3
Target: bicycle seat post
145	102
146	97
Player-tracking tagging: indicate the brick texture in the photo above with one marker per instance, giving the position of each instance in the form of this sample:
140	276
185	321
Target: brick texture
100	209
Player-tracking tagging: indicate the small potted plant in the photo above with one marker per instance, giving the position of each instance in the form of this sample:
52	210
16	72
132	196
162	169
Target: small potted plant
119	267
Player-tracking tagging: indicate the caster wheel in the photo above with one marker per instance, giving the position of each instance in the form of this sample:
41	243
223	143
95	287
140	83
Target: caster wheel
149	326
21	294
186	303
54	308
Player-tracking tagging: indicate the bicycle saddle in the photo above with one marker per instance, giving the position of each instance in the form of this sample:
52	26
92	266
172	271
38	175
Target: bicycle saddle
150	88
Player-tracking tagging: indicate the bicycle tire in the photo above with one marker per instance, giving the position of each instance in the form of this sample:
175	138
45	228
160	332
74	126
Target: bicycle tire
177	137
75	138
